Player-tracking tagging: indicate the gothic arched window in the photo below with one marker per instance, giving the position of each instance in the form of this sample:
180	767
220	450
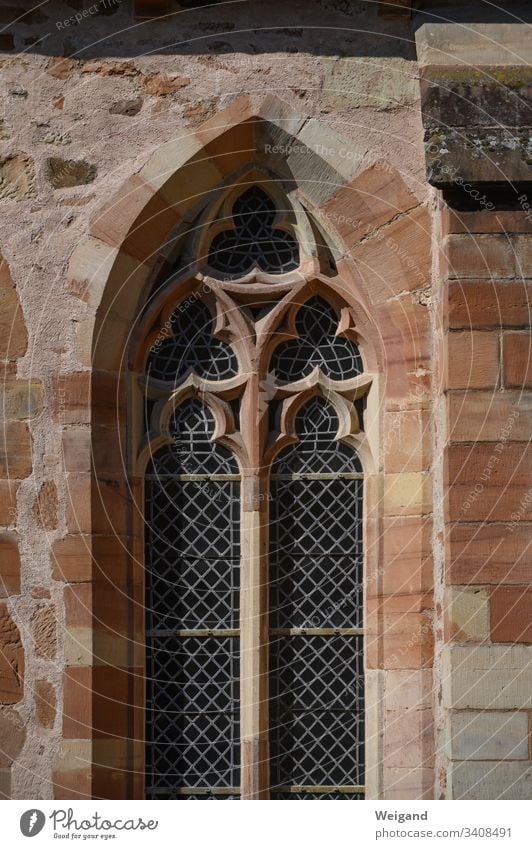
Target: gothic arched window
253	385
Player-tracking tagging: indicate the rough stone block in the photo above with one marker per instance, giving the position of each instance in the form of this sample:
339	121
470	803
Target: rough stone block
44	631
45	506
67	173
17	177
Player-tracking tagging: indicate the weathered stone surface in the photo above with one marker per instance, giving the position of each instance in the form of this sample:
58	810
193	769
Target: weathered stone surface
489	677
161	84
110	69
11	660
488	780
488	736
369	82
126	107
66	173
44	631
9	565
60	67
45	703
477	155
45	506
12	736
465	97
495	43
17	177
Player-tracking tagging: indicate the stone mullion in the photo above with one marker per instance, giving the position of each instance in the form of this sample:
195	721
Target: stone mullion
254	607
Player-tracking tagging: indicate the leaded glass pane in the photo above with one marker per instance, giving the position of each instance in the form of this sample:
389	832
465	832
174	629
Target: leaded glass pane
190	345
316	681
316	345
192	584
254	241
192	713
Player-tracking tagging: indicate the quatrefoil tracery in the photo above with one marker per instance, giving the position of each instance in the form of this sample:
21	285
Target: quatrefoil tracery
195	362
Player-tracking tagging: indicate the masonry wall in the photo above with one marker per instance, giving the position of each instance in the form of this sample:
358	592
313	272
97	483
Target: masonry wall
86	112
486	291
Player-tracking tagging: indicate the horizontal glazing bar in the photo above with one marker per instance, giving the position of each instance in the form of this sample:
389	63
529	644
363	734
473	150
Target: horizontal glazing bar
231	632
196	791
317	632
192	477
319	788
326	476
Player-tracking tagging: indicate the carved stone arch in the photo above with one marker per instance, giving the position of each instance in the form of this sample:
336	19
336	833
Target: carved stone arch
130	243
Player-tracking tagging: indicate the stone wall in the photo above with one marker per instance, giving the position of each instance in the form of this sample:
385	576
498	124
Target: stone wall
103	128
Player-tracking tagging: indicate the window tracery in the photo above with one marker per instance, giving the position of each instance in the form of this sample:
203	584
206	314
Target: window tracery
253	422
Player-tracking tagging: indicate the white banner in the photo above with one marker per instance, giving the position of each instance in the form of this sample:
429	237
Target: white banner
259	825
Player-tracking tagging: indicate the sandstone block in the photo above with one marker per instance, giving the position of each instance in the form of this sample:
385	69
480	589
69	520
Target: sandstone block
12	736
45	506
511	615
476	256
517	360
11	660
468	613
488	780
67	173
45	703
407	494
490	677
15	450
472	360
9	565
17	177
488	736
44	631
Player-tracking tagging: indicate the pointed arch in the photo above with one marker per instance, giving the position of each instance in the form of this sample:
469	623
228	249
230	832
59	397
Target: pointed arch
130	245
